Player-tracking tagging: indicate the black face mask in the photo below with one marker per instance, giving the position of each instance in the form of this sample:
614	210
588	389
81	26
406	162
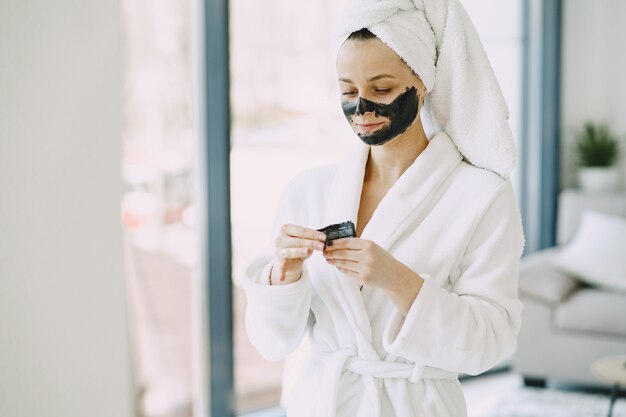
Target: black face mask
401	112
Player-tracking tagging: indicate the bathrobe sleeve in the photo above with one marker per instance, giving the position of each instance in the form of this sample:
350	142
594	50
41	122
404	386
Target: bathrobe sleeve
475	325
276	316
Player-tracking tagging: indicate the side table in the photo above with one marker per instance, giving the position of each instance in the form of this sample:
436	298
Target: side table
611	369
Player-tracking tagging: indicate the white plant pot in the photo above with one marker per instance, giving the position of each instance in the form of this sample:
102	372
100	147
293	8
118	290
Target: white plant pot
599	179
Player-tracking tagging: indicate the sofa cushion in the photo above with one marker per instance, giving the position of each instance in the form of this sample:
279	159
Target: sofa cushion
541	281
574	202
593	310
596	255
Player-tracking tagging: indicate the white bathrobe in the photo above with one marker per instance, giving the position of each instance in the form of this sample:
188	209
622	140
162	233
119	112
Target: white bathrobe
458	227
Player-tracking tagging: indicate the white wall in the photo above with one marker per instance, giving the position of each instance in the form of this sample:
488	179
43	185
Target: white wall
594	74
63	334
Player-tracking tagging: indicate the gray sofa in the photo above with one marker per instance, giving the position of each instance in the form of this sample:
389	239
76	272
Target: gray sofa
566	324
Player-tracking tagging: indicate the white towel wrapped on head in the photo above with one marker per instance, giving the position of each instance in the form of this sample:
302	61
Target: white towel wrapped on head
439	43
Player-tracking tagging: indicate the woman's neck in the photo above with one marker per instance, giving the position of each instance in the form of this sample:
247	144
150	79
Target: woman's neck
388	162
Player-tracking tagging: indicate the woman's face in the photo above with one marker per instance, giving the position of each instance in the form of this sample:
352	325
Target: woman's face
380	95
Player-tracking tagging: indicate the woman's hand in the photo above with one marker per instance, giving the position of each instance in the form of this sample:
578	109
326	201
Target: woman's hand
294	244
372	265
363	260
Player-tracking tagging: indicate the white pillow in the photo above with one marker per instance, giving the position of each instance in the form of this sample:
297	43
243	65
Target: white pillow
597	253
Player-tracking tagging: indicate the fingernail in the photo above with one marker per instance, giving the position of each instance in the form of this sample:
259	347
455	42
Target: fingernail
322	237
319	246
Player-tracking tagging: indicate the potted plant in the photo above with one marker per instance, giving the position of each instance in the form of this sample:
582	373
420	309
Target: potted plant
597	154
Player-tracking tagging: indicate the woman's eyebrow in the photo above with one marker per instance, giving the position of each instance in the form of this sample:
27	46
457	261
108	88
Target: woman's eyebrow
378	77
374	78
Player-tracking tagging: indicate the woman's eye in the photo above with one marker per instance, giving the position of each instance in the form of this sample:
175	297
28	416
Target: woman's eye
348	93
382	90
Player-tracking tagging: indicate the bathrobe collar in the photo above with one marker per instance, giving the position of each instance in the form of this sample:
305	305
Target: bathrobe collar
407	200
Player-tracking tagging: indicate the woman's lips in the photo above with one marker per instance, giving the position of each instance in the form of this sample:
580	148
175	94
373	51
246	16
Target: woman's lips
368	127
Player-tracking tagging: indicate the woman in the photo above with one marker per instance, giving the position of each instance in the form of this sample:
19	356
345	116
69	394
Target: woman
428	287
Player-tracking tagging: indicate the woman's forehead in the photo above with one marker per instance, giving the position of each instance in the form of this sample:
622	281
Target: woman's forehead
367	59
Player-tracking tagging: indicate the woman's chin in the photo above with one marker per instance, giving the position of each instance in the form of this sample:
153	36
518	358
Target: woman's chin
363	133
368	138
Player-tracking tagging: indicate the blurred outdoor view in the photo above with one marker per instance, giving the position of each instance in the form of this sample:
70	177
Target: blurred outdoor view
286	117
158	205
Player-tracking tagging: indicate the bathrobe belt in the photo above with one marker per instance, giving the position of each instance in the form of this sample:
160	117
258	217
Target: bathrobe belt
336	362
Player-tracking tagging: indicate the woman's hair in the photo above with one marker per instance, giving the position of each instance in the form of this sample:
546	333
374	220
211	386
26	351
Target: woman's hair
364	34
361	35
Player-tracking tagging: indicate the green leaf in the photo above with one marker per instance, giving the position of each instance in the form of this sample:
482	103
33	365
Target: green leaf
596	147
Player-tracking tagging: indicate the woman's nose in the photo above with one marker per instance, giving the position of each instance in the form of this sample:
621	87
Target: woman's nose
360	107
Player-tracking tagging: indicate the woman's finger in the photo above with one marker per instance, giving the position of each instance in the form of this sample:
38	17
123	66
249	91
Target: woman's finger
294	253
353	243
350	273
283	272
293	242
294	230
280	271
349	265
343	254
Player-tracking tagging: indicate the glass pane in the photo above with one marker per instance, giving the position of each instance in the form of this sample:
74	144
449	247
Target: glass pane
157	205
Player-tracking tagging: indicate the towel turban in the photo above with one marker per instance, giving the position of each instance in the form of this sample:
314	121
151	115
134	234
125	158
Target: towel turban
439	43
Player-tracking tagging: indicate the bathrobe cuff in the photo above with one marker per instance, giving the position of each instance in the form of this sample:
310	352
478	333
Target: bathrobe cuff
433	334
398	337
276	316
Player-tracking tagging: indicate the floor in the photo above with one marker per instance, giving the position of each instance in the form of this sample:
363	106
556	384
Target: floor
504	395
481	393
